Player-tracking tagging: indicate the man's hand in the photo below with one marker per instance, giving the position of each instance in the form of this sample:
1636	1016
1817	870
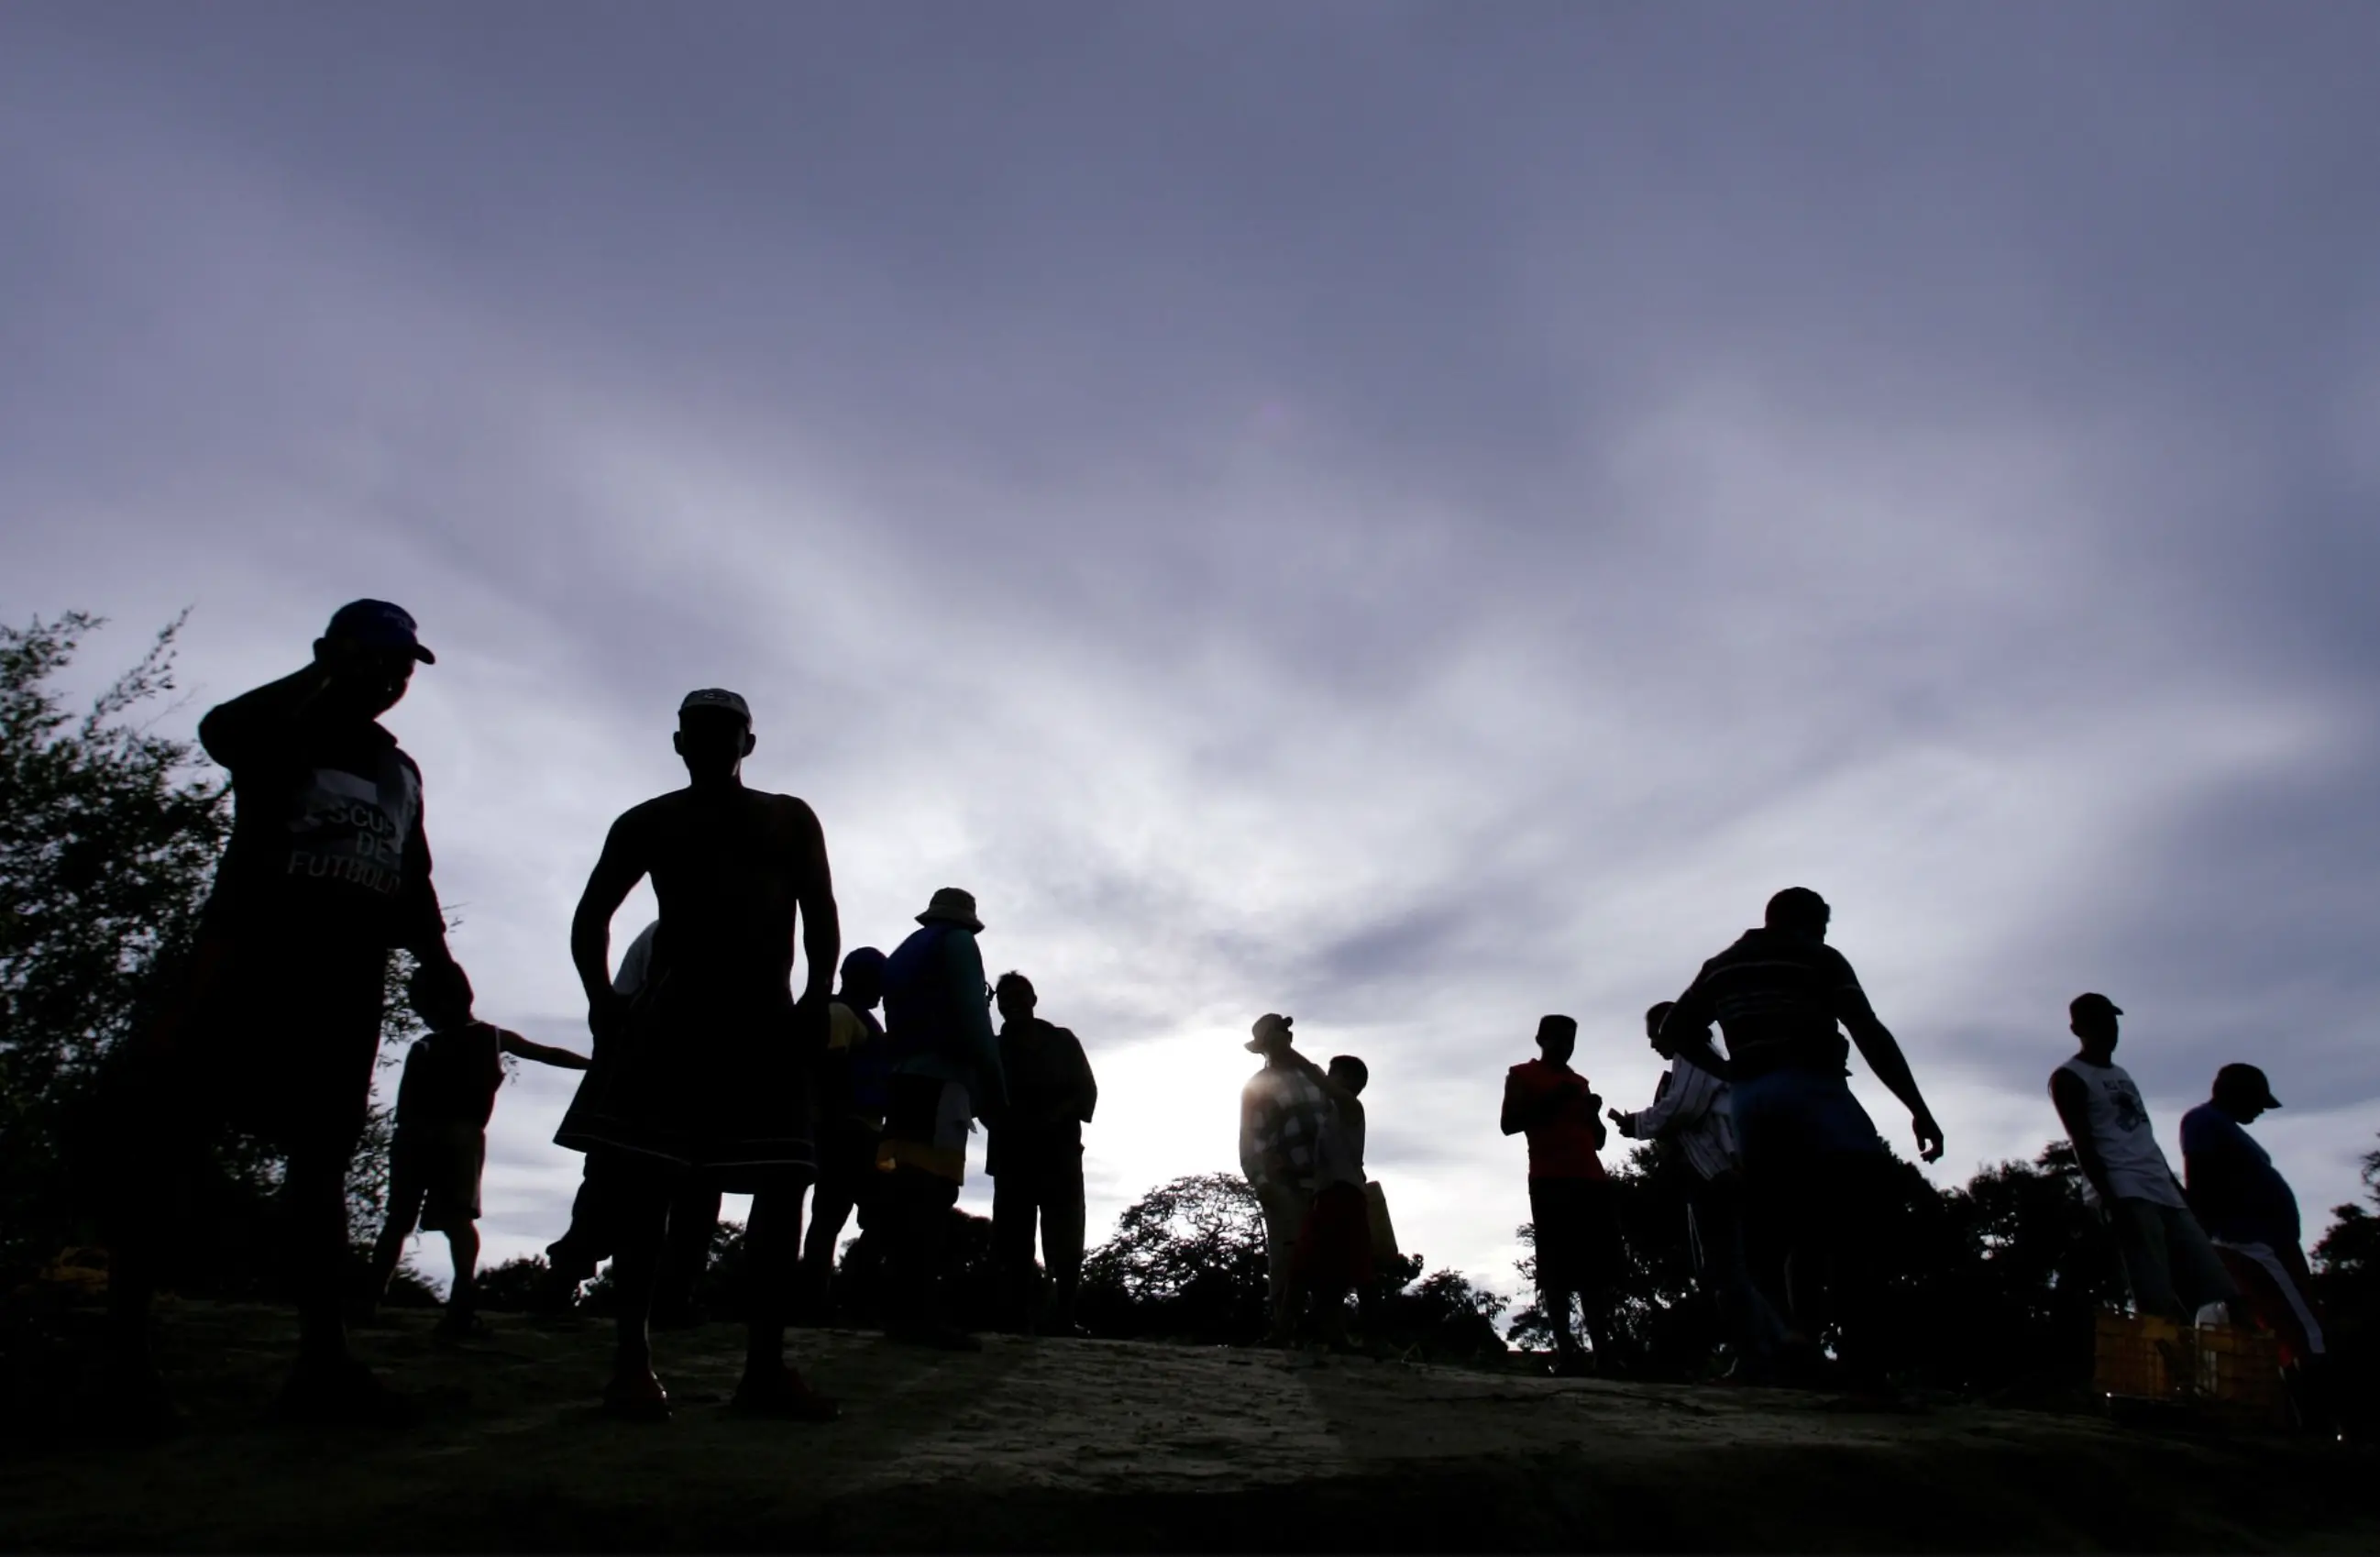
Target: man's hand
1930	1137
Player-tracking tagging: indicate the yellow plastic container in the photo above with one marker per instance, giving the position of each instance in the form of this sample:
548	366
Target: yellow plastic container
2221	1371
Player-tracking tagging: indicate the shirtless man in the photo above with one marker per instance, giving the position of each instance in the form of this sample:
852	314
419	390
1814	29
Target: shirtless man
704	1071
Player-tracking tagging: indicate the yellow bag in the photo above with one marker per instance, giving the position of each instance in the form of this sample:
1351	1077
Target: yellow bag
1384	1232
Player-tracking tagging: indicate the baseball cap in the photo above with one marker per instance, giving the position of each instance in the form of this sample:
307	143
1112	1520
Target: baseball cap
376	624
2247	1081
2092	1001
717	697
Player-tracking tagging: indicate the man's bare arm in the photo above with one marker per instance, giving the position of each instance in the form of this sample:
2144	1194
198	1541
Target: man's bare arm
543	1053
1511	1121
1331	1087
2072	1100
1882	1052
821	929
616	873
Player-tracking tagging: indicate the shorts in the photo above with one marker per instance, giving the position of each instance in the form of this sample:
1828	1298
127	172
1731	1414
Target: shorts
2170	1266
446	1161
272	1029
702	1081
1334	1247
925	1126
1577	1231
1792	1118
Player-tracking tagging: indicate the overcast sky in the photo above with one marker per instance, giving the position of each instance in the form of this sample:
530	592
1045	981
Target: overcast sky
1415	516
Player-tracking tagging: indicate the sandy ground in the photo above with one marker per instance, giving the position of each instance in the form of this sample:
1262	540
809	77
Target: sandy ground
1092	1445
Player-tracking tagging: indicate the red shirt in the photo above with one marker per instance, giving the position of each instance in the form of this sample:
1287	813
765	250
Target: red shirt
1562	1142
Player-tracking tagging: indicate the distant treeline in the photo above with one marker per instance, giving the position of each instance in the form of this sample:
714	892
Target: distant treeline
108	837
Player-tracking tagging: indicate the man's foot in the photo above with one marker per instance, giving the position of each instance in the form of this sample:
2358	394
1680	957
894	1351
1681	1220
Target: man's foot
940	1337
342	1393
782	1396
636	1397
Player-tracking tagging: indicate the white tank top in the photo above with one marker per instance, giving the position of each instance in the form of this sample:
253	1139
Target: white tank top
2122	1133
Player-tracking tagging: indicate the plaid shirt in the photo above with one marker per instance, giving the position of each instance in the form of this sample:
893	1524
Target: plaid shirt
1281	1113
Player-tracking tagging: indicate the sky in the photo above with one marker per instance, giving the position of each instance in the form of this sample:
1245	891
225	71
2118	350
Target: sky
1415	516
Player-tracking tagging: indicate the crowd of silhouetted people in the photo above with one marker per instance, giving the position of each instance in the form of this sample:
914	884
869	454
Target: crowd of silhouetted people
709	1074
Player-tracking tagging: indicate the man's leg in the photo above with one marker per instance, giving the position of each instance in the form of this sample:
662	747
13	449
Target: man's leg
462	1299
693	1222
1745	1319
2197	1271
405	1195
574	1257
315	1203
161	1097
772	1248
150	1151
1553	1226
832	1204
914	1264
1850	1237
638	1196
1062	1240
1602	1257
1284	1213
2140	1242
1012	1207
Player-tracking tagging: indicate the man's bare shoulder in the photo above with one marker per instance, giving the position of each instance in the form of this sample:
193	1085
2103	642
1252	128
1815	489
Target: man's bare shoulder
647	813
790	807
791	820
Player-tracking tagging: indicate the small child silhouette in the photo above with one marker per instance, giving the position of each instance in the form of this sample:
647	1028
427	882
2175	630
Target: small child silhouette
443	1102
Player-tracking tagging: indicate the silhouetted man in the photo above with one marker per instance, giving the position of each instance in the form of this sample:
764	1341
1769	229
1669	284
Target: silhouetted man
855	1082
2250	1215
1692	1111
1034	1153
1821	1182
2172	1269
2248	1209
272	1023
443	1102
1570	1214
946	1074
593	1234
706	1070
1283	1111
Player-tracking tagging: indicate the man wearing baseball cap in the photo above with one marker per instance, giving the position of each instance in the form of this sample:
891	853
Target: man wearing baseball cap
2249	1211
703	1074
273	1022
2171	1268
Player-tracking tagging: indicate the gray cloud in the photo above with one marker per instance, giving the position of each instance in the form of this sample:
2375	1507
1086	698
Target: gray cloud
1421	514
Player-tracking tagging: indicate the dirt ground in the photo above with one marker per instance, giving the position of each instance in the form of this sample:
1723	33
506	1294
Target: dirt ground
1090	1445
